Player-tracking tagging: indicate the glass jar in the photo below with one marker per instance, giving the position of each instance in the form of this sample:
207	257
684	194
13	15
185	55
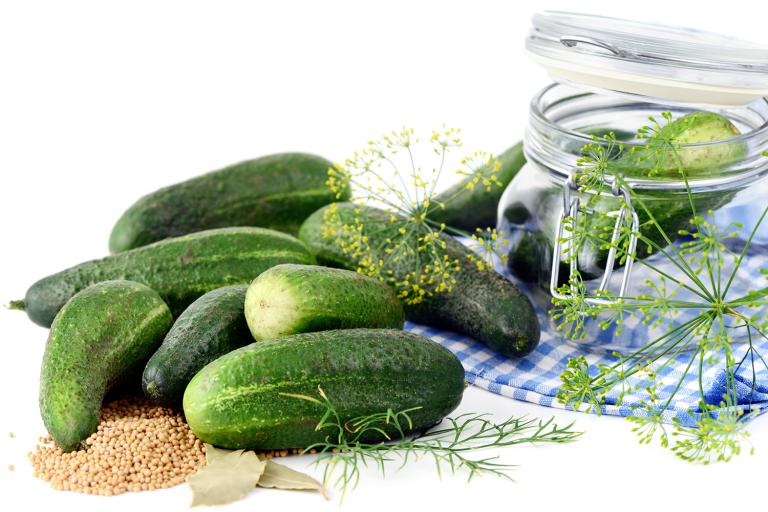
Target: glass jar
726	182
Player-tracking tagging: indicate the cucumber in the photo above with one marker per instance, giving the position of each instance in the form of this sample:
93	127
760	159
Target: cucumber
291	299
530	221
212	326
699	160
104	333
471	209
482	304
239	400
179	269
276	191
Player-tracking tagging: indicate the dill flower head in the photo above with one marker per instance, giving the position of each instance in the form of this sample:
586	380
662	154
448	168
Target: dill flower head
401	174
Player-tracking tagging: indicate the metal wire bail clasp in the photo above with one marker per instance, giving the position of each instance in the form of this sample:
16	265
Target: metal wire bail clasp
572	209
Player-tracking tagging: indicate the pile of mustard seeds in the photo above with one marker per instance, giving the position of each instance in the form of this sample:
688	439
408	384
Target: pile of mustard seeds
137	447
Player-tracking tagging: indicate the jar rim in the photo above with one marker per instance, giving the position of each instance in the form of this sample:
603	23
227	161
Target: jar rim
551	144
537	112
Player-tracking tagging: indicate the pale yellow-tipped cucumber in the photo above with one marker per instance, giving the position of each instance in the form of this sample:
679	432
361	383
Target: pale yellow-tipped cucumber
696	143
291	299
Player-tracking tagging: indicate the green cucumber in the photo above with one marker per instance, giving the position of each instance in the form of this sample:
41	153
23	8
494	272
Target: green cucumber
212	326
179	269
276	191
695	132
102	335
291	299
471	209
241	399
482	304
533	217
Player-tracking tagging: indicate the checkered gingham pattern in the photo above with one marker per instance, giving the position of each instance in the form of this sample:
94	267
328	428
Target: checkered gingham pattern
536	377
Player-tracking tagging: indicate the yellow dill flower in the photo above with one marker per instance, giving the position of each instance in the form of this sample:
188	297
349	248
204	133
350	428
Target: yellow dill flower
411	252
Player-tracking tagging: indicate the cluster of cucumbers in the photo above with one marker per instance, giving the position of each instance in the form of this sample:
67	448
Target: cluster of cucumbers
211	302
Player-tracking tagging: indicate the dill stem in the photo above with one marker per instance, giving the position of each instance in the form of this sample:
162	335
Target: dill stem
703	292
399	176
670	337
656	269
680	258
383	199
414	175
683	375
701	374
436	178
644	303
744	250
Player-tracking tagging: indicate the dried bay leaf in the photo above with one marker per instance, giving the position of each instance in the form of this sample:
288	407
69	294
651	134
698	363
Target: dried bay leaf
229	477
278	476
212	453
275	476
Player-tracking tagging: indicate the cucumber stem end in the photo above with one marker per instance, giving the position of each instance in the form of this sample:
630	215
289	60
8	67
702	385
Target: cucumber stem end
19	305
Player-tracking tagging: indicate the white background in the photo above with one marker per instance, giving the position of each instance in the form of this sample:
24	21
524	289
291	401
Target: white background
102	102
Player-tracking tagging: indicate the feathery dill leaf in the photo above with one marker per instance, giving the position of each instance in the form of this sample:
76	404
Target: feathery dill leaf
691	307
451	444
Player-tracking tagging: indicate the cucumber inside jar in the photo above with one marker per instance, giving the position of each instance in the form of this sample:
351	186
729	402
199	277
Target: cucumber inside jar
529	214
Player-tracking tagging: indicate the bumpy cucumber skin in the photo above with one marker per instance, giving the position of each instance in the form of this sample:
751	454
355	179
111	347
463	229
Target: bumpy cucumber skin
483	304
210	327
276	191
180	269
321	299
103	334
697	160
471	209
238	400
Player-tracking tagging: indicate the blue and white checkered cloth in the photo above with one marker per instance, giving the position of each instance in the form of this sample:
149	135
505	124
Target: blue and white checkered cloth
536	377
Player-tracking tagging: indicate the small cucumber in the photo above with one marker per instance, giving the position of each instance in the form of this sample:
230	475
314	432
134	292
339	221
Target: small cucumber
686	143
241	399
179	269
103	334
471	209
291	299
212	326
275	191
482	304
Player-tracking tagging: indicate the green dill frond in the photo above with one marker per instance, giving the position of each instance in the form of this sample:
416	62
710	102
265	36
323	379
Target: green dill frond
579	387
450	445
410	253
718	436
690	310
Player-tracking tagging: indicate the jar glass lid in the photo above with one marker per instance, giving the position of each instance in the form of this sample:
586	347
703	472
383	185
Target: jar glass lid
674	64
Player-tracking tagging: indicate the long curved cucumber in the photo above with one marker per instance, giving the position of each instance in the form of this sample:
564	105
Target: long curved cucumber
180	269
472	209
275	191
104	333
482	304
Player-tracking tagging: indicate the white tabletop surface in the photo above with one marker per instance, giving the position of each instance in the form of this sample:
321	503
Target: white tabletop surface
101	103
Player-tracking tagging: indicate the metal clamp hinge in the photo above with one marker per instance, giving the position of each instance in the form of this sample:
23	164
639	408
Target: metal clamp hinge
572	209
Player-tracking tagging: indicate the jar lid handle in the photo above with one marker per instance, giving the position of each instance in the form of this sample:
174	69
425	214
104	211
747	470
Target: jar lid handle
571	41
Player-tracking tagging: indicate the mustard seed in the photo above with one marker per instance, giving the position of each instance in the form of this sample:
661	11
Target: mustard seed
134	449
